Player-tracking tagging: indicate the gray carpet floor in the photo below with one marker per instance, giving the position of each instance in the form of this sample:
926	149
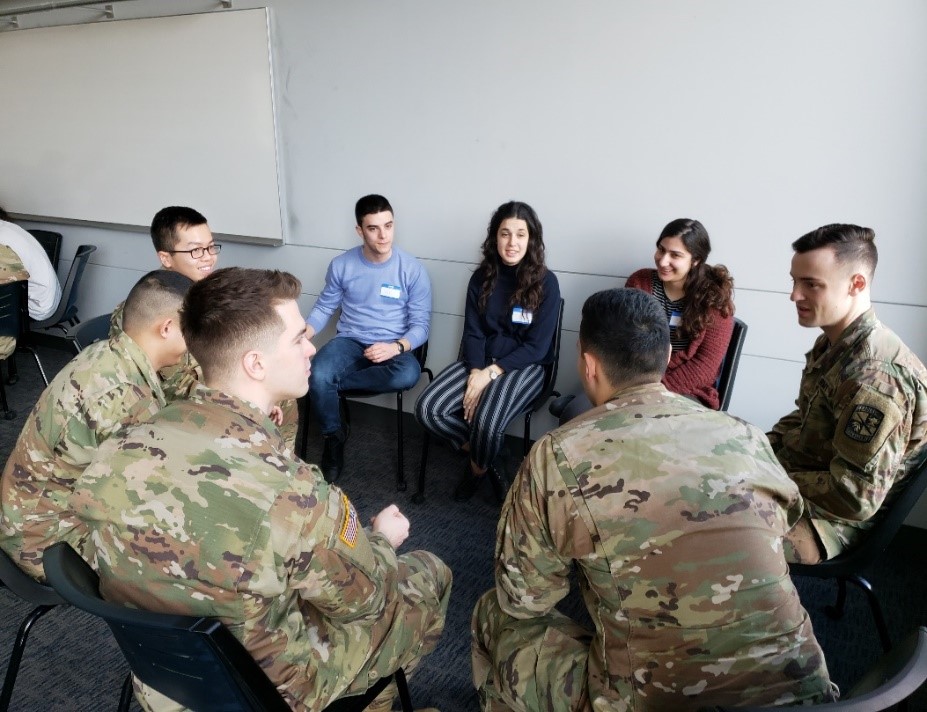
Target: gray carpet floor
72	663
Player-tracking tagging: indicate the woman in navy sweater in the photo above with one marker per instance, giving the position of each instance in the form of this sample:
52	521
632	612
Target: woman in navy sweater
511	314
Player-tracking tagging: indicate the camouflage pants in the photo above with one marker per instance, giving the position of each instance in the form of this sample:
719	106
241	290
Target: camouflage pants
802	545
399	640
533	665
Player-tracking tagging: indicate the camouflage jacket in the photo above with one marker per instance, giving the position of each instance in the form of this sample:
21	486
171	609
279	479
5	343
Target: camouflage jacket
204	511
106	386
859	427
177	380
11	270
674	515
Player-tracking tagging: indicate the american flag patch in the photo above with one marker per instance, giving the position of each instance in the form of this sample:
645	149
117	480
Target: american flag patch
349	527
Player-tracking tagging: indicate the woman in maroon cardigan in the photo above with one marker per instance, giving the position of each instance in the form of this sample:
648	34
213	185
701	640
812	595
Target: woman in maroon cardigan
699	304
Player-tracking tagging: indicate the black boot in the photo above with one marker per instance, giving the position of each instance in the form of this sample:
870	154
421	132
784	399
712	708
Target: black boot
500	482
332	456
468	485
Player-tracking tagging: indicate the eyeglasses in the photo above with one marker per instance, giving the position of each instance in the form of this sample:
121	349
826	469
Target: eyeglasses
198	252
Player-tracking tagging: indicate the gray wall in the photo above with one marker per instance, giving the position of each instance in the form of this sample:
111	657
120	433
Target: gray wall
763	120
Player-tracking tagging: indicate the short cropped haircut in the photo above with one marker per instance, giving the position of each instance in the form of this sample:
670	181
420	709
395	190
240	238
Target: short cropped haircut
155	297
370	205
167	221
626	329
853	245
230	312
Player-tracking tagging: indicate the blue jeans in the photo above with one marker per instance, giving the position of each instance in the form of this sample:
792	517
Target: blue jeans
340	365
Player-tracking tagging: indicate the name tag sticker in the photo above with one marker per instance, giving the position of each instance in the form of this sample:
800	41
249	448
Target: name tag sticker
675	319
521	316
390	291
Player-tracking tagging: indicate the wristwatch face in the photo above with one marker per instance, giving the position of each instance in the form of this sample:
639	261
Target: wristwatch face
493	375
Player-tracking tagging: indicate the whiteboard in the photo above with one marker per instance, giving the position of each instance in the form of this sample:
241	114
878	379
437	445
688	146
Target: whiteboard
109	122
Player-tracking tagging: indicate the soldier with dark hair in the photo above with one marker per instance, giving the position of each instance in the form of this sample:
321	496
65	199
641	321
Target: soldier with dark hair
106	386
861	416
673	515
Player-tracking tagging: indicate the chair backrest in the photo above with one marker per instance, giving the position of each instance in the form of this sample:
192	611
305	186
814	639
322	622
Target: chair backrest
553	365
67	307
24	586
14	308
195	661
725	383
897	676
51	243
90	331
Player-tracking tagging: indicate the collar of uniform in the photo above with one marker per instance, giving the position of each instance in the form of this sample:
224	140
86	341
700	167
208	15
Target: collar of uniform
643	393
124	343
823	352
246	409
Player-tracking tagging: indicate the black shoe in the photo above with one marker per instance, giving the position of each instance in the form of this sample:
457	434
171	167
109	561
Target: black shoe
468	485
332	456
500	482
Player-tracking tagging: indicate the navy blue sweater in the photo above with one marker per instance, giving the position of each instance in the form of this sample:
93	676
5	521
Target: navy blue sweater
493	337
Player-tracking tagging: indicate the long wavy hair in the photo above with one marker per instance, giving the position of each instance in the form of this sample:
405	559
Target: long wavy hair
706	287
530	273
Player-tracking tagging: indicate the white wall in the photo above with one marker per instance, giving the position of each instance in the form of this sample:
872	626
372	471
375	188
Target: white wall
763	120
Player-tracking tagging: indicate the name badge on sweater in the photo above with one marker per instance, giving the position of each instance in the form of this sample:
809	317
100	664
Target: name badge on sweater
522	316
390	291
675	319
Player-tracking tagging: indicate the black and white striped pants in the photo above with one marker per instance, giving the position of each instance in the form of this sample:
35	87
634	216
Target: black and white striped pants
440	408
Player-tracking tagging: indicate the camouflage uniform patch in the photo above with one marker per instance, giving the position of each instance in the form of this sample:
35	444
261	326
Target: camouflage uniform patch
863	423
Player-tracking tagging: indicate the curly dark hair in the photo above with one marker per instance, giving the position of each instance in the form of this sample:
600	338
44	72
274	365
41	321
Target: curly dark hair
529	290
707	287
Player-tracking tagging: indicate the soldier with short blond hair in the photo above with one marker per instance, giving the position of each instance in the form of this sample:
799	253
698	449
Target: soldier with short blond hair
673	515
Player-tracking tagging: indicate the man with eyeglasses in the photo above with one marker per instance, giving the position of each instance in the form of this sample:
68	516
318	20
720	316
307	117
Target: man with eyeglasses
184	243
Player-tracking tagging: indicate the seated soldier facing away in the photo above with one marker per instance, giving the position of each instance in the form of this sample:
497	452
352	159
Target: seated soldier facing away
106	386
674	516
204	511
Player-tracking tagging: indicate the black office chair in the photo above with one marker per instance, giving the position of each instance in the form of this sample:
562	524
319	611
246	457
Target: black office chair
194	661
51	243
14	322
44	598
848	567
897	676
90	331
725	383
421	354
547	390
66	313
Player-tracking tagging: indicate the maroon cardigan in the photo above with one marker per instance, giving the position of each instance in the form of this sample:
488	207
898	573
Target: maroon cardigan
694	370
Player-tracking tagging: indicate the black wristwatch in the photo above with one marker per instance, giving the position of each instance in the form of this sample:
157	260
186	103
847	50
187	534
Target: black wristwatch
402	348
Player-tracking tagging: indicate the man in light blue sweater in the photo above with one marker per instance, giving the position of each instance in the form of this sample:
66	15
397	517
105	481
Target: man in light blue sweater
385	298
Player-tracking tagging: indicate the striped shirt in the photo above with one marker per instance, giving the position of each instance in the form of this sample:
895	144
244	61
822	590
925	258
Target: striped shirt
671	307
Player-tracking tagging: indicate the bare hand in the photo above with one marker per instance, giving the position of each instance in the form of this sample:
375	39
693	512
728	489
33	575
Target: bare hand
380	352
276	415
476	384
392	524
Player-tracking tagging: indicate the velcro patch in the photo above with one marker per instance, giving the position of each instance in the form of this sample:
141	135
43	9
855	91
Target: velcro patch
863	423
349	526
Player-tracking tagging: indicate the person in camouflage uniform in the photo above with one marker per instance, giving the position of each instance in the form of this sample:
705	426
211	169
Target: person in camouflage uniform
107	385
204	511
11	270
674	516
861	420
184	244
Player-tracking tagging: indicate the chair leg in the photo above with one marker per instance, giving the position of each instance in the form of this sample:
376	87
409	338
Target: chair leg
528	432
16	655
876	610
835	612
419	496
13	372
5	411
401	485
125	695
403	687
